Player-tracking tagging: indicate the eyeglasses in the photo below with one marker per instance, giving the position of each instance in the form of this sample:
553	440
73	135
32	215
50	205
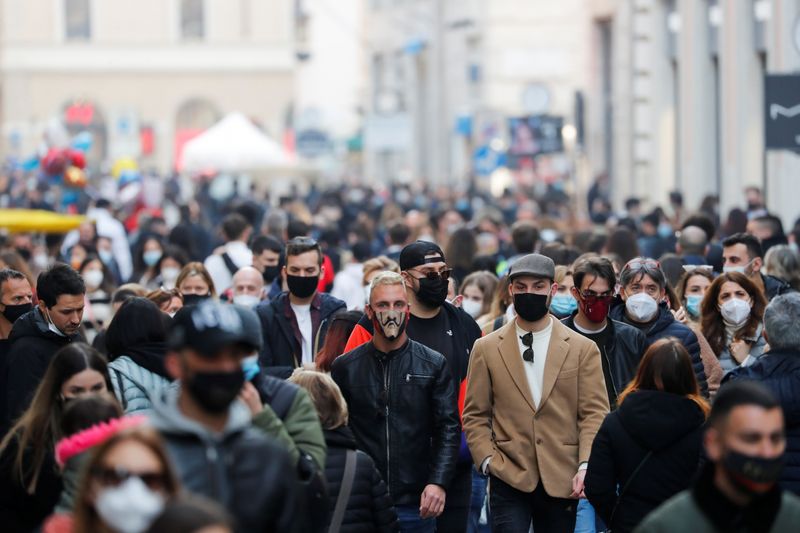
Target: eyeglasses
113	477
527	340
432	275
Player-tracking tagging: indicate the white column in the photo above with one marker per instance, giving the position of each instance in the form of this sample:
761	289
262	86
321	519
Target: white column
698	133
741	87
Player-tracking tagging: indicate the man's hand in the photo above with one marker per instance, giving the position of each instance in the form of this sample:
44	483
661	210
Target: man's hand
577	485
251	398
431	504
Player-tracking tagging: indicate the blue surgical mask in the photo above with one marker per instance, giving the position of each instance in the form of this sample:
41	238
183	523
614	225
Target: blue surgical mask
693	304
151	257
563	304
250	367
665	230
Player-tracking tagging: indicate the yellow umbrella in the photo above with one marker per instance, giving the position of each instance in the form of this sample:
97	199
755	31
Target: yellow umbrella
24	220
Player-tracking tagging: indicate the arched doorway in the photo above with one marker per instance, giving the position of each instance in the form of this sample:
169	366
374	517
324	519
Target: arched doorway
80	115
193	118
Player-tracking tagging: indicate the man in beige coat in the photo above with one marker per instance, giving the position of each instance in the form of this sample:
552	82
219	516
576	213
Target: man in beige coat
535	400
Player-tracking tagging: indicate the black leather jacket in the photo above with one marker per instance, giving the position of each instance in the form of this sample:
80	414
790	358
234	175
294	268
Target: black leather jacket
624	347
403	414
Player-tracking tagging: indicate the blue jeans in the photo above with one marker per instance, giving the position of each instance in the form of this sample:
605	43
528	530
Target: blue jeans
477	504
585	521
410	521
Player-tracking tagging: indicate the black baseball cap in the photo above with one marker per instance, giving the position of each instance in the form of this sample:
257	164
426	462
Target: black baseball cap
210	327
419	253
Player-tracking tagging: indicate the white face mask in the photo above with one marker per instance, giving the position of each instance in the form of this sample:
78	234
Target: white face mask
93	278
641	307
52	327
169	275
735	311
130	507
472	307
246	300
741	269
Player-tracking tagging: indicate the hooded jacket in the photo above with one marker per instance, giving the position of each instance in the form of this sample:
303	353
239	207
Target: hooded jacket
670	426
134	385
664	326
779	371
32	348
249	475
281	352
369	507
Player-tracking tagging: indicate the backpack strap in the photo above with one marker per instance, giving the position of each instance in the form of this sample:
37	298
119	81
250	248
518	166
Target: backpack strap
232	268
344	492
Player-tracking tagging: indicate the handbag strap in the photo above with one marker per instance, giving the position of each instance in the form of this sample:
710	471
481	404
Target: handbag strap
628	484
344	492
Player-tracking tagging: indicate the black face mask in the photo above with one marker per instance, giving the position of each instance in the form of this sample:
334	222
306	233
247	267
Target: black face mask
270	273
432	292
302	286
745	471
195	299
215	391
531	307
13	312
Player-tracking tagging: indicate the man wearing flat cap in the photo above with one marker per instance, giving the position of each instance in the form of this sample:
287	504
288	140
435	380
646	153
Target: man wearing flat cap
535	399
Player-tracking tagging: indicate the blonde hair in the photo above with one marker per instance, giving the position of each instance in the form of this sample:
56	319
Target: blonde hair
196	268
561	273
326	395
379	263
386	278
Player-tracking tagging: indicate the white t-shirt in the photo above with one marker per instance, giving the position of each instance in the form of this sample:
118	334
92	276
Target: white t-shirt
534	371
303	315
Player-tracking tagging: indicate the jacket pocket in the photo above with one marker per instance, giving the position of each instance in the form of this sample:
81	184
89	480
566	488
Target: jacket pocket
418	379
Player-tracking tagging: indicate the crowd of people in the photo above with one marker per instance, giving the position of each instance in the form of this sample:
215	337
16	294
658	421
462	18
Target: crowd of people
401	359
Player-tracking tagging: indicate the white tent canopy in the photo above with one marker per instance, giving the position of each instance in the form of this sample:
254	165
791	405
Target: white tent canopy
234	144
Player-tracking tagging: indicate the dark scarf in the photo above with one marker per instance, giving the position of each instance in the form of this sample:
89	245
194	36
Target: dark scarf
757	517
150	355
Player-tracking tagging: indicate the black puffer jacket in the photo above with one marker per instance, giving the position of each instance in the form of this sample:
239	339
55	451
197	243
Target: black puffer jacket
624	348
669	425
369	508
775	287
664	326
403	414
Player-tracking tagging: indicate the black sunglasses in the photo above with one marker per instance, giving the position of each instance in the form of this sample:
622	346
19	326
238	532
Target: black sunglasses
432	275
527	340
113	477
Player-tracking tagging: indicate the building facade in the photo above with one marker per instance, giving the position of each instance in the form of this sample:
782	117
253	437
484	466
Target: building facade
679	98
142	76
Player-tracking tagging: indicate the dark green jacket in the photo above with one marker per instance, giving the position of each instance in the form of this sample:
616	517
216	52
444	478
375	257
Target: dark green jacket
300	429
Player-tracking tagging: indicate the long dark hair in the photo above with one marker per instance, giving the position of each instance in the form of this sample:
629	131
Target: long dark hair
712	324
342	325
666	366
39	427
139	321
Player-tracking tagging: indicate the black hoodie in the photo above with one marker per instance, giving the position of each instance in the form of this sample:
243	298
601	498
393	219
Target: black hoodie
670	426
32	348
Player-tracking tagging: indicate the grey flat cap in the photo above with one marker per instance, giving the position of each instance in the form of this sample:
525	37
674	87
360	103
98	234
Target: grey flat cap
532	265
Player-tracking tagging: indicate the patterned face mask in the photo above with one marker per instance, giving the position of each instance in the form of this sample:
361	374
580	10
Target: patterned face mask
391	323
